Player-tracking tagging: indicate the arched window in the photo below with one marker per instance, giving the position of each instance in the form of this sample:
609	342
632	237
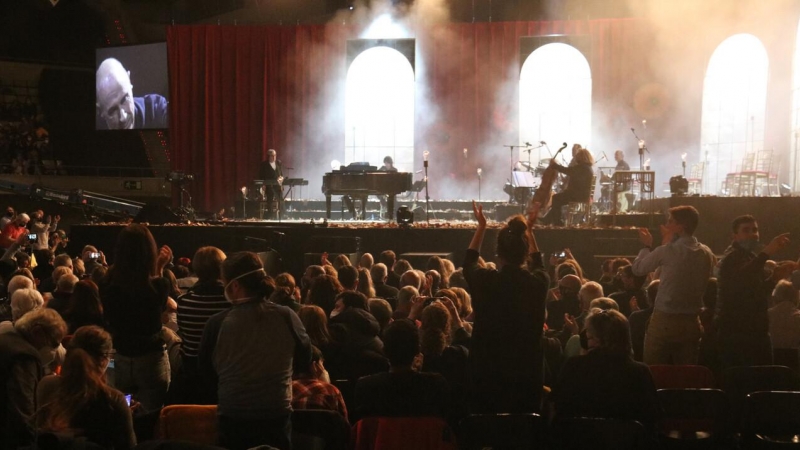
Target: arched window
555	98
794	176
734	102
379	109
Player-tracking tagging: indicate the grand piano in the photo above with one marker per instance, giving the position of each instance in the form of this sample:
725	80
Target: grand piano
360	181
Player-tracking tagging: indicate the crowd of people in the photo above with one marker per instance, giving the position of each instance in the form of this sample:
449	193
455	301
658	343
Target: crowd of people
373	337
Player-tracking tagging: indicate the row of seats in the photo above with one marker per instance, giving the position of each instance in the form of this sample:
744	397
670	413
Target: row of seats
693	419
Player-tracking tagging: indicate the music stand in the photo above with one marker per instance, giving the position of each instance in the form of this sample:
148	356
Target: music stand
523	179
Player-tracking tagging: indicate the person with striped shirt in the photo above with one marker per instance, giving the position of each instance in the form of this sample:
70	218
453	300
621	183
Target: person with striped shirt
202	301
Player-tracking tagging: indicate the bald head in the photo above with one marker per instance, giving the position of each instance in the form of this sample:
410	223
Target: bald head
114	95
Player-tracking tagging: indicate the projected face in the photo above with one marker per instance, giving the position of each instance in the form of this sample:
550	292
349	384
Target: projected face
115	95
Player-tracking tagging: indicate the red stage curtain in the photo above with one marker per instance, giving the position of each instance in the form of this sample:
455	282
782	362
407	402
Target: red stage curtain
237	91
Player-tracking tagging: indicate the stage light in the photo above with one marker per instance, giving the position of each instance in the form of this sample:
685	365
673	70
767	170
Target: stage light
678	185
405	217
335	164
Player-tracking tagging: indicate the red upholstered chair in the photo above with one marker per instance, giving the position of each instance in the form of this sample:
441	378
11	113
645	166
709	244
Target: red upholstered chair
401	433
193	423
682	377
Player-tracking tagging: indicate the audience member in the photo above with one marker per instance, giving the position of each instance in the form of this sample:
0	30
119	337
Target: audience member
84	307
744	289
412	278
24	352
405	297
383	290
388	258
286	292
784	317
80	401
250	349
316	324
365	283
194	309
357	348
134	296
567	303
382	311
62	294
631	287
348	278
312	388
686	265
403	391
606	382
366	261
509	308
323	292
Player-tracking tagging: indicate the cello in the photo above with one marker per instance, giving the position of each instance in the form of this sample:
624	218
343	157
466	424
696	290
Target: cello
544	193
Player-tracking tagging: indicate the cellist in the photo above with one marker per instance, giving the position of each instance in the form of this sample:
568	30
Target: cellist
579	184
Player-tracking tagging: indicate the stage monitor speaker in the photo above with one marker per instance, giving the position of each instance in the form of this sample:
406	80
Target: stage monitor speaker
272	262
156	214
334	244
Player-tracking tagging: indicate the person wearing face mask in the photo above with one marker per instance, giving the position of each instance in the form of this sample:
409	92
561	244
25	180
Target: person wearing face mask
80	400
23	354
743	296
248	353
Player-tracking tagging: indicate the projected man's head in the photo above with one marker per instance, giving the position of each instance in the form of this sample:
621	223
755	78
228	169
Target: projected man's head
115	95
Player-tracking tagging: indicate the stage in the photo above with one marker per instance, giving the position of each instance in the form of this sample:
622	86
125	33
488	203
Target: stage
300	242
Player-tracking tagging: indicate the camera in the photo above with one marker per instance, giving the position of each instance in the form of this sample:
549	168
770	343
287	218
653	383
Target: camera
128	399
94	255
32	237
561	254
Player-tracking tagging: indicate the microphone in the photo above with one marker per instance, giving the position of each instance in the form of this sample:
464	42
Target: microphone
633	130
528	144
419	171
543	142
604	156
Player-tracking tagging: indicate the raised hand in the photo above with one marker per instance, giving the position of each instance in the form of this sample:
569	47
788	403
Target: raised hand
477	209
777	244
645	237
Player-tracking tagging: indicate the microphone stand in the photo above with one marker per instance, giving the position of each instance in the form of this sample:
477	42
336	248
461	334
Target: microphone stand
642	149
427	197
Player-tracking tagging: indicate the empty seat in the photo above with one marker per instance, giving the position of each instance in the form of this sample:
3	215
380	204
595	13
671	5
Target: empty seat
682	377
737	382
599	434
771	419
401	433
193	423
694	418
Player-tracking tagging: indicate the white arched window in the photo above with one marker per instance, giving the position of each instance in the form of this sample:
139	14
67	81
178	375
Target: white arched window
734	103
379	109
794	176
555	99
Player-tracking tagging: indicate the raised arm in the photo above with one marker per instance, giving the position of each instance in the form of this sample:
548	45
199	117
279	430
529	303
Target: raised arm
477	239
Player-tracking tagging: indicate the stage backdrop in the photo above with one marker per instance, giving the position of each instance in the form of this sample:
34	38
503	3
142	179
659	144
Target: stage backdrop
237	91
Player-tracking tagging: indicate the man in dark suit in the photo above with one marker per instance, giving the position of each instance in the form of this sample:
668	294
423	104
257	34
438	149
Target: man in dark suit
272	169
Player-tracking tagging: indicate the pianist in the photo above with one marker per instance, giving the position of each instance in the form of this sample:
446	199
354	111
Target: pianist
388	165
271	169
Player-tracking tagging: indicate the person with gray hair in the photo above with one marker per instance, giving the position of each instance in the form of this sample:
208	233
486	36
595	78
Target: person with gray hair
604	304
588	292
24	301
63	292
405	297
380	275
412	278
366	261
19	282
628	391
784	316
272	170
24	352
